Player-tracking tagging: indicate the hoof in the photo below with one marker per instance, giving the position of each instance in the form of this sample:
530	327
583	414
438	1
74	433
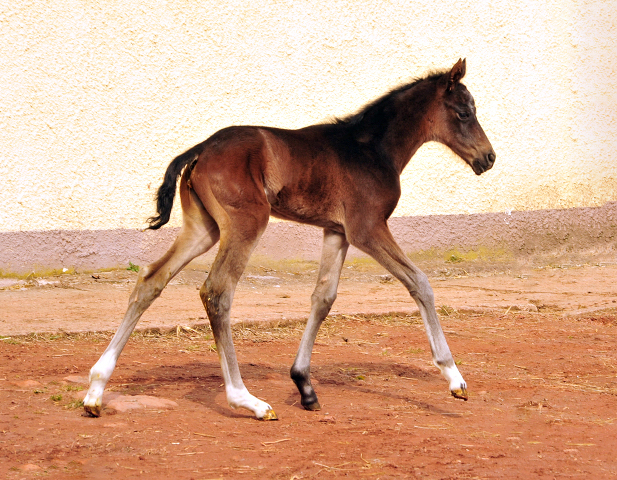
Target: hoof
313	406
270	415
92	411
460	393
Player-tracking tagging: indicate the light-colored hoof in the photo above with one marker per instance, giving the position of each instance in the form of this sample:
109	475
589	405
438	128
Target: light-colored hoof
270	415
92	411
460	393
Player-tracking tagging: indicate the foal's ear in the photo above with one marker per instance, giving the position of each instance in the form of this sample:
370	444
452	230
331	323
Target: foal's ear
457	73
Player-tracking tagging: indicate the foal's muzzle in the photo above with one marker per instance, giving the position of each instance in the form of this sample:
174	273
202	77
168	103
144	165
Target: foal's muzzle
482	164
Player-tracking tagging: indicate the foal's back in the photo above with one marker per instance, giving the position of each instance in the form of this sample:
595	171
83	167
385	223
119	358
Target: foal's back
317	175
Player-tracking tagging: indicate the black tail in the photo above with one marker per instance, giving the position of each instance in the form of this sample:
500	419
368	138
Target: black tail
167	191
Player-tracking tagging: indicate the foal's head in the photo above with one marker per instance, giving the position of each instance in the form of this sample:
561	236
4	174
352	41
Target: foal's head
455	123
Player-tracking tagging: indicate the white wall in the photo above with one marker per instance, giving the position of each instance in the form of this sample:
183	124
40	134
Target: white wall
97	97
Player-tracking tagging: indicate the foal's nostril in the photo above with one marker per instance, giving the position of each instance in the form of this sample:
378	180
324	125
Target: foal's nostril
491	157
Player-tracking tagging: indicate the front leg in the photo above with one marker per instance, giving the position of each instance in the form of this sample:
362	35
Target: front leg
380	244
333	255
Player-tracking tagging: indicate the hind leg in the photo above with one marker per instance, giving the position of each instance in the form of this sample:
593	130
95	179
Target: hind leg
198	234
332	257
237	242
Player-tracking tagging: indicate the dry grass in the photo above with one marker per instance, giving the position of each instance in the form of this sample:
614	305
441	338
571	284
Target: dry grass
251	331
286	329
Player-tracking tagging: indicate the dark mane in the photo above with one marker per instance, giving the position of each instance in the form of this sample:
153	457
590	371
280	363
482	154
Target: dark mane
357	137
373	117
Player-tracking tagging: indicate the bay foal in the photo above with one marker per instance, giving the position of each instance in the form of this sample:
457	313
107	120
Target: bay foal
342	177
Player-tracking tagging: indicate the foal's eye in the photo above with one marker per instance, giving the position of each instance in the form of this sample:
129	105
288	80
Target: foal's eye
463	115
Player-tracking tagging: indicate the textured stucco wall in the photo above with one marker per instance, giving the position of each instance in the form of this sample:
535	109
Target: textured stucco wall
97	97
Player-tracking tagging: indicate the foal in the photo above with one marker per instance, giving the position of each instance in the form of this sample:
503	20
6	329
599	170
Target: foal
343	177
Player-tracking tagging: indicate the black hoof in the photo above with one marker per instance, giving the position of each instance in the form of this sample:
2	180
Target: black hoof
312	406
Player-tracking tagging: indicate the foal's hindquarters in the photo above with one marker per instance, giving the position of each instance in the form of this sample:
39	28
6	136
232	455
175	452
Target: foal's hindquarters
198	234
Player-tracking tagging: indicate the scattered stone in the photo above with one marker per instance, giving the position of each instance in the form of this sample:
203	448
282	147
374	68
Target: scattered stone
261	277
529	307
80	379
30	467
123	403
115	425
10	282
329	419
26	383
41	282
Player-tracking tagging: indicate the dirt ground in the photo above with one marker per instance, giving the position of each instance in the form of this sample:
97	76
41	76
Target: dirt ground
537	349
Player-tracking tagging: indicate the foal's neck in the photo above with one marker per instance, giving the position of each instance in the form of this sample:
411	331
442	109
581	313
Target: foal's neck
409	128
